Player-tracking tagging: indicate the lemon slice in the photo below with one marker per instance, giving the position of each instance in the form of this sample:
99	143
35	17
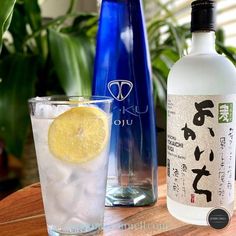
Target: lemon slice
79	135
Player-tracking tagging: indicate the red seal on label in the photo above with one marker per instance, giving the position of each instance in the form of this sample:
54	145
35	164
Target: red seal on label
192	198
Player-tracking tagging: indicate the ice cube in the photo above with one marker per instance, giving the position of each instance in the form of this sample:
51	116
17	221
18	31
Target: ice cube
43	110
68	196
90	209
58	171
54	215
58	110
88	202
96	163
81	199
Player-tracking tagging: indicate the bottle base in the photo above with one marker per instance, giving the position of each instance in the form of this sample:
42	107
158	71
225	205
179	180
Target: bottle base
129	196
190	214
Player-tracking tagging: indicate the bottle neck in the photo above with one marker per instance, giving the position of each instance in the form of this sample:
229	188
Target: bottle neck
203	43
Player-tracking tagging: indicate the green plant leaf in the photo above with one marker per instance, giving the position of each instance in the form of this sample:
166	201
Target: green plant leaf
33	14
229	52
159	85
73	61
18	27
18	76
220	36
6	11
71	6
86	24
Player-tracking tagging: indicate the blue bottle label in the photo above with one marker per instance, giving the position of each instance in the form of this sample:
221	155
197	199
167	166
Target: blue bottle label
120	90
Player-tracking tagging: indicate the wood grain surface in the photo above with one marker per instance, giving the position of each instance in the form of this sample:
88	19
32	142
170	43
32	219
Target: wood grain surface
22	214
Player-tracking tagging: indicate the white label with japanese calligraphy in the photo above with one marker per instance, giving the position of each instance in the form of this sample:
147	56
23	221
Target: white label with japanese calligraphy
201	149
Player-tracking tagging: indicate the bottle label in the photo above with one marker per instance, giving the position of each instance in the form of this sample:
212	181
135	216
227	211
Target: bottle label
201	149
125	115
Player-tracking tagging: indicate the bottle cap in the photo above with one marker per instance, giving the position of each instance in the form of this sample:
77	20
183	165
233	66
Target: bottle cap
203	16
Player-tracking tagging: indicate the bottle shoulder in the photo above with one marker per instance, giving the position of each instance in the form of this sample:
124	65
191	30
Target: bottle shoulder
202	74
199	60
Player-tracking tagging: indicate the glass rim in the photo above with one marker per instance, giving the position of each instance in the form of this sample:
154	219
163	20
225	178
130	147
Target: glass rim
65	99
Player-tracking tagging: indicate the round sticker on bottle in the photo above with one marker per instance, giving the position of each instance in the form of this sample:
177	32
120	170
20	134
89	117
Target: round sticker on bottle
218	218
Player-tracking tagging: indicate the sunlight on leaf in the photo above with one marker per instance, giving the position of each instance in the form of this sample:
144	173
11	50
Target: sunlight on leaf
6	11
73	59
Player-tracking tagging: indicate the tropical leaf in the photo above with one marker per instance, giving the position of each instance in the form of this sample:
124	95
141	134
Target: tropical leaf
220	36
159	85
33	12
229	52
6	11
73	61
18	76
168	42
18	27
33	15
86	24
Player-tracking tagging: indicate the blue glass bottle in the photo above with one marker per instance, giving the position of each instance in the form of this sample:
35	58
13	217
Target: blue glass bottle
123	71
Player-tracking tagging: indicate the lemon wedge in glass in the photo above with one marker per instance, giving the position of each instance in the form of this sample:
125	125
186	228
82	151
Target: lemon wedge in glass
79	134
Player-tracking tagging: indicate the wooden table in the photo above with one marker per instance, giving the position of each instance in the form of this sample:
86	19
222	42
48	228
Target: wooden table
22	214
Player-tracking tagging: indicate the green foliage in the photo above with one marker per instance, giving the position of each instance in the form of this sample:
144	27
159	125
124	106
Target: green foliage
40	58
73	60
14	92
168	42
6	12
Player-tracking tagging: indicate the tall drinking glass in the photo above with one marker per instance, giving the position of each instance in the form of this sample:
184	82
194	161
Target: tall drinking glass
72	136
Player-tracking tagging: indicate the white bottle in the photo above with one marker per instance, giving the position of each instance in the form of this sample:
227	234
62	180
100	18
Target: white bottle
201	126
